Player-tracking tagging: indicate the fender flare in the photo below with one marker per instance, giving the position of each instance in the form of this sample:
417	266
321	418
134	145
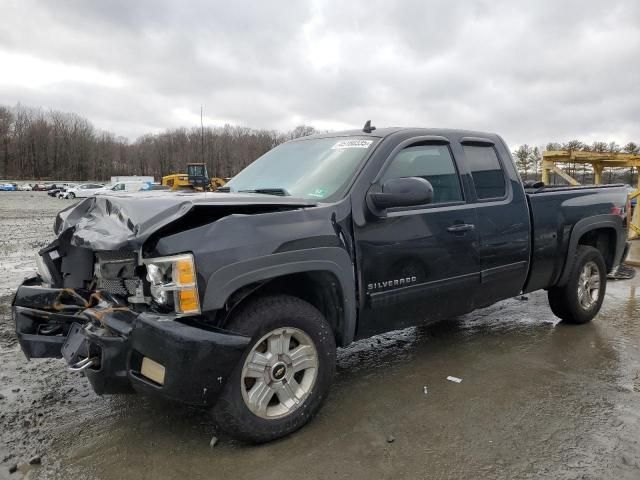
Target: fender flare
225	281
586	225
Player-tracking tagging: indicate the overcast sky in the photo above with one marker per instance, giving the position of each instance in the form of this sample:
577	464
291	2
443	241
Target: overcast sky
533	71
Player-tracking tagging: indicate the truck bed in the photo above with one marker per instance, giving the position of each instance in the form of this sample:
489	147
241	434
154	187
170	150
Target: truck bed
555	214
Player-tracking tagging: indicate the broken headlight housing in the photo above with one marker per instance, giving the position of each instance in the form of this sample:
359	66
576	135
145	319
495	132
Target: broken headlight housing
43	270
173	283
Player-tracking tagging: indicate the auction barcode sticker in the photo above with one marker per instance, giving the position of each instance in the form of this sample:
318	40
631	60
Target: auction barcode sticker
342	144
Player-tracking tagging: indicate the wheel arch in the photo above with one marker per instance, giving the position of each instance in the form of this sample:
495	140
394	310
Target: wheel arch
321	276
603	232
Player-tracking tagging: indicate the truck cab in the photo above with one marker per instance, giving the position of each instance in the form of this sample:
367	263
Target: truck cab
198	176
469	242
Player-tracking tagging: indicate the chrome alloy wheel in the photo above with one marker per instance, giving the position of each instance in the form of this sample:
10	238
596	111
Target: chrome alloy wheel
589	285
279	373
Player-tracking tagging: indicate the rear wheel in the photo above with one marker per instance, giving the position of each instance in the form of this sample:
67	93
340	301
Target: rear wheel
581	298
285	373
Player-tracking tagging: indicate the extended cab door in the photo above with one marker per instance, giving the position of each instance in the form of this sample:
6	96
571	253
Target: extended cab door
502	219
418	263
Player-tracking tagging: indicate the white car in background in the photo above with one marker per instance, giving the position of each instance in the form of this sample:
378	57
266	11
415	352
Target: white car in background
83	191
66	187
129	186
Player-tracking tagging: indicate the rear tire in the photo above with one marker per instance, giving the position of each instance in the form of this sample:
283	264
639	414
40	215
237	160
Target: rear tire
580	299
284	375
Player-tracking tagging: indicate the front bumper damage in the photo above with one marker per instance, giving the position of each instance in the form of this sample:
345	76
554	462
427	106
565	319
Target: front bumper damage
190	361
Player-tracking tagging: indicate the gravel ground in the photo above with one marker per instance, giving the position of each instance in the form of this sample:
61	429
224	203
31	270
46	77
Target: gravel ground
537	399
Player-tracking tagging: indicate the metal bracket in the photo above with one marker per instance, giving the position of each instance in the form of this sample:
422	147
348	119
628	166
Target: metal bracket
82	364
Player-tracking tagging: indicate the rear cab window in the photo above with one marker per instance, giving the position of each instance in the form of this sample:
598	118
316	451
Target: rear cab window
486	171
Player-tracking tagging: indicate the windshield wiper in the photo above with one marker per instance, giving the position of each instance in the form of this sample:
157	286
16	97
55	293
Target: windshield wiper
281	192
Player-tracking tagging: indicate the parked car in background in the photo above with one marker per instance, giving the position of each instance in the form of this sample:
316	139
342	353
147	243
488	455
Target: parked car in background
54	191
130	186
64	188
25	187
8	187
83	191
43	187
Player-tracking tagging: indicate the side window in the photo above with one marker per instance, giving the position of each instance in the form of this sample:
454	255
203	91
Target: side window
486	171
431	162
119	186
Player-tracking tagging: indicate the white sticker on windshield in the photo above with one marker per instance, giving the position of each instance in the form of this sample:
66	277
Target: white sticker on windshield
342	144
319	193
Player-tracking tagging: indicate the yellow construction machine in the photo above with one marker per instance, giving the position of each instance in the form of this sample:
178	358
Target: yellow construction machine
196	179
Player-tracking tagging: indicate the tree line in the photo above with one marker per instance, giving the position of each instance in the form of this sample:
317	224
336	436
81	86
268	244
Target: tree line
53	145
49	145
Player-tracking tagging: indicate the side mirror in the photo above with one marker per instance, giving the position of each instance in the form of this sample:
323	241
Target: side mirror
401	192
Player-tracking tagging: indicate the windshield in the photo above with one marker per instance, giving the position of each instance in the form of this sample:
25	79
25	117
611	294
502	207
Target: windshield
196	170
315	169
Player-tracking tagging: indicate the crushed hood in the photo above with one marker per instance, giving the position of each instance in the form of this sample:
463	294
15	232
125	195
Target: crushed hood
125	221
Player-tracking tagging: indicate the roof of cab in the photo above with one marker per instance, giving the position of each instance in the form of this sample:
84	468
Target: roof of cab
387	131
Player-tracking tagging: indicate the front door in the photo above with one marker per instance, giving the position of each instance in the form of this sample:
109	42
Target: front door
418	264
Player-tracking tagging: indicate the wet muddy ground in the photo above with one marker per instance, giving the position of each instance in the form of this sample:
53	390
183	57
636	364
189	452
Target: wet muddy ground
537	399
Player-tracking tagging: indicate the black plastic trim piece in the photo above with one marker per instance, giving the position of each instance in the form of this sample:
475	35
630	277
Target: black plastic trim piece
586	225
225	281
480	141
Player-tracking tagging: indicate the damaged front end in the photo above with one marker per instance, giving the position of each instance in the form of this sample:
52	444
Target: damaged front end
121	350
129	324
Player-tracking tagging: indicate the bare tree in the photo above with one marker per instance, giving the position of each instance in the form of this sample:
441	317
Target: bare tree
6	120
53	145
535	158
522	158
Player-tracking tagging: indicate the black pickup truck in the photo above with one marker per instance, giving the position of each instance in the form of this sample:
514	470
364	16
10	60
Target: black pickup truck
237	300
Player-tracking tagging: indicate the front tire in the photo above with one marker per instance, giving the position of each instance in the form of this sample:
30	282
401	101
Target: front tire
284	375
71	196
581	298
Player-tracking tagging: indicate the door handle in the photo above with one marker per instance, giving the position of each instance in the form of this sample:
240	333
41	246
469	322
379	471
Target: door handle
461	228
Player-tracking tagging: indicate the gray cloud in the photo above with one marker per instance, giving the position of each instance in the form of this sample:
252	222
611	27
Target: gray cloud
533	71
